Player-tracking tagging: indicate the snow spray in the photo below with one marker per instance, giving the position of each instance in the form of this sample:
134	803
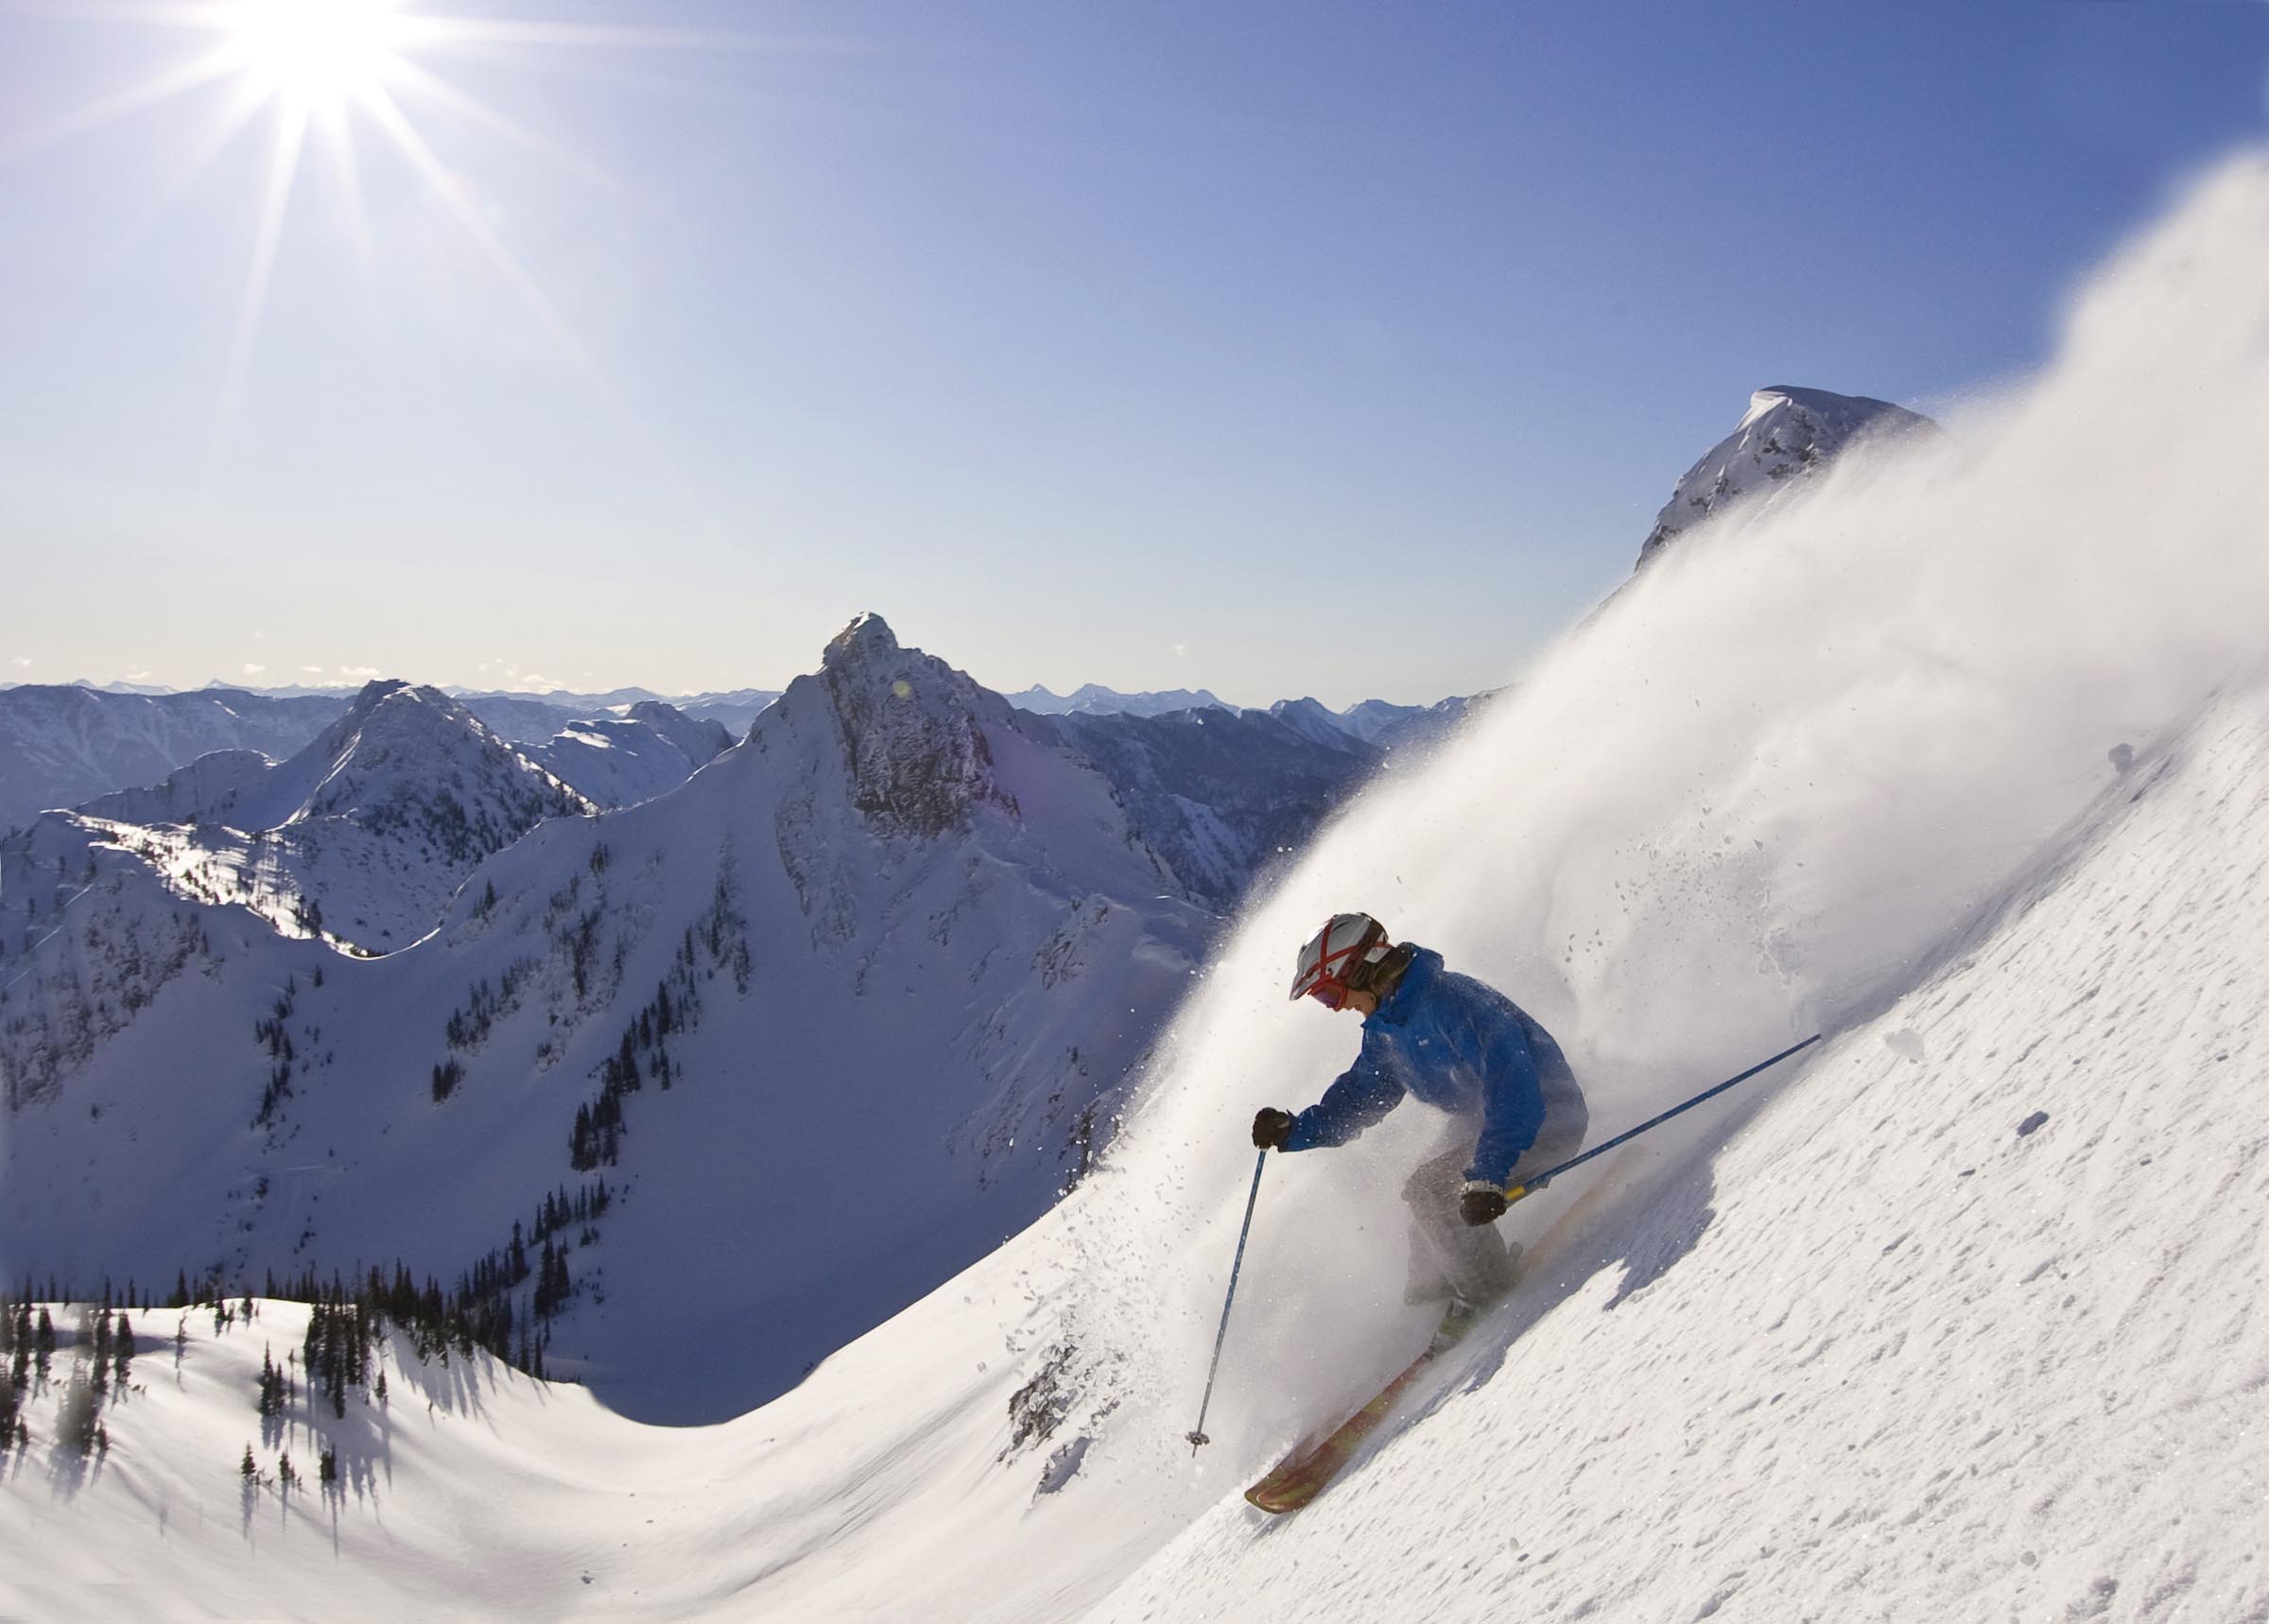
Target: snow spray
1748	797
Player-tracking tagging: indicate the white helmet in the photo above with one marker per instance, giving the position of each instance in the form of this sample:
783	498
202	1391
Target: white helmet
1325	965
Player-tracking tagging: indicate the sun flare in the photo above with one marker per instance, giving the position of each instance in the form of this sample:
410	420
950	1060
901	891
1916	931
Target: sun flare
318	53
333	75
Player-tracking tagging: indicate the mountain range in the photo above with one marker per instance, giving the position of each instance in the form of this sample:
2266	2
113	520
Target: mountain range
817	1018
891	930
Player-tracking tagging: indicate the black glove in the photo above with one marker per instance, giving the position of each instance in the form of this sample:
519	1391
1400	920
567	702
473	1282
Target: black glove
1477	1207
1271	1127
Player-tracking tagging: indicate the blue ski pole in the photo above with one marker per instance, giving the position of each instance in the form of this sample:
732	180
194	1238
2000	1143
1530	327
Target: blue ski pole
1197	1434
1533	1185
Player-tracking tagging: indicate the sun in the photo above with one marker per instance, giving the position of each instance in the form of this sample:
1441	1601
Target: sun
334	74
318	54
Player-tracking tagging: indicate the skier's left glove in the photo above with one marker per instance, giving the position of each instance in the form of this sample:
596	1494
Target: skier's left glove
1271	1128
1480	1204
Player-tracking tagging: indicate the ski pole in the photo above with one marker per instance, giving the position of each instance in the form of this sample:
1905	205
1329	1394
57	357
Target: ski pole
1197	1434
1533	1185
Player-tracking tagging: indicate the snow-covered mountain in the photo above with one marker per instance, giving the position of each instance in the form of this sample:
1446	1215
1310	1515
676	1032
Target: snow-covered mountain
362	836
61	746
828	1022
1093	698
1786	435
619	761
1375	726
1221	795
1316	722
518	719
1228	796
734	708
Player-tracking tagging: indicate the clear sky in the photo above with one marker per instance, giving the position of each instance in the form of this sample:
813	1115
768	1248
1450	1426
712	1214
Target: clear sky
1269	348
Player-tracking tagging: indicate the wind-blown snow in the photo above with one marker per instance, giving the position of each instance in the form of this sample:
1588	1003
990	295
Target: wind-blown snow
1749	799
1848	1345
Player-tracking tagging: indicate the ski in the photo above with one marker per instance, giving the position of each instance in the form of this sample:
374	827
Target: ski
1306	1472
1309	1469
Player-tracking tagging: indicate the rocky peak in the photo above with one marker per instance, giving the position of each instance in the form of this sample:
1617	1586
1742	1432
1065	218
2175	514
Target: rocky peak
914	728
1787	435
866	640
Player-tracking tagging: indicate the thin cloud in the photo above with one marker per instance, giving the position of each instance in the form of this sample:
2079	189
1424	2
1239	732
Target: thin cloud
360	673
253	670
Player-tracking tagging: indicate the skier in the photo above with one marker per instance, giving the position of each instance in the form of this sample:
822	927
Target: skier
1463	1048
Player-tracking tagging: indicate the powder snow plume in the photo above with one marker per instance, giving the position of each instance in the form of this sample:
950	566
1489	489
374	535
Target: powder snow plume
1748	799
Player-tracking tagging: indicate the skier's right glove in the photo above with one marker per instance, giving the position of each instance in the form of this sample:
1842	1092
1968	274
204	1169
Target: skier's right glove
1271	1128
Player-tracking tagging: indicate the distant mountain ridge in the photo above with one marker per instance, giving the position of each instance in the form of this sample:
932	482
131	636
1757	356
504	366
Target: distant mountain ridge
1094	698
61	744
362	837
1228	796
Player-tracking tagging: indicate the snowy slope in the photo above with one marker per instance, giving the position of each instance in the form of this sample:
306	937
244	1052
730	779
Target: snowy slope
878	971
1223	795
516	718
2009	1371
205	791
362	836
1962	1320
61	746
619	761
1787	435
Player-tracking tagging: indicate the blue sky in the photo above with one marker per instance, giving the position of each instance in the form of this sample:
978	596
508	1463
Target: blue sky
1329	349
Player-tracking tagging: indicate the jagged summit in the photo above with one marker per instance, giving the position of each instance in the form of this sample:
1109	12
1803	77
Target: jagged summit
913	730
867	638
1787	433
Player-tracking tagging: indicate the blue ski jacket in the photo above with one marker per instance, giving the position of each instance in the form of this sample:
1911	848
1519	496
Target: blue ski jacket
1461	1046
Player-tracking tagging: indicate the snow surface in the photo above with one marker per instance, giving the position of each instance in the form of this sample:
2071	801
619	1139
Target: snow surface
619	761
361	838
62	745
1958	759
